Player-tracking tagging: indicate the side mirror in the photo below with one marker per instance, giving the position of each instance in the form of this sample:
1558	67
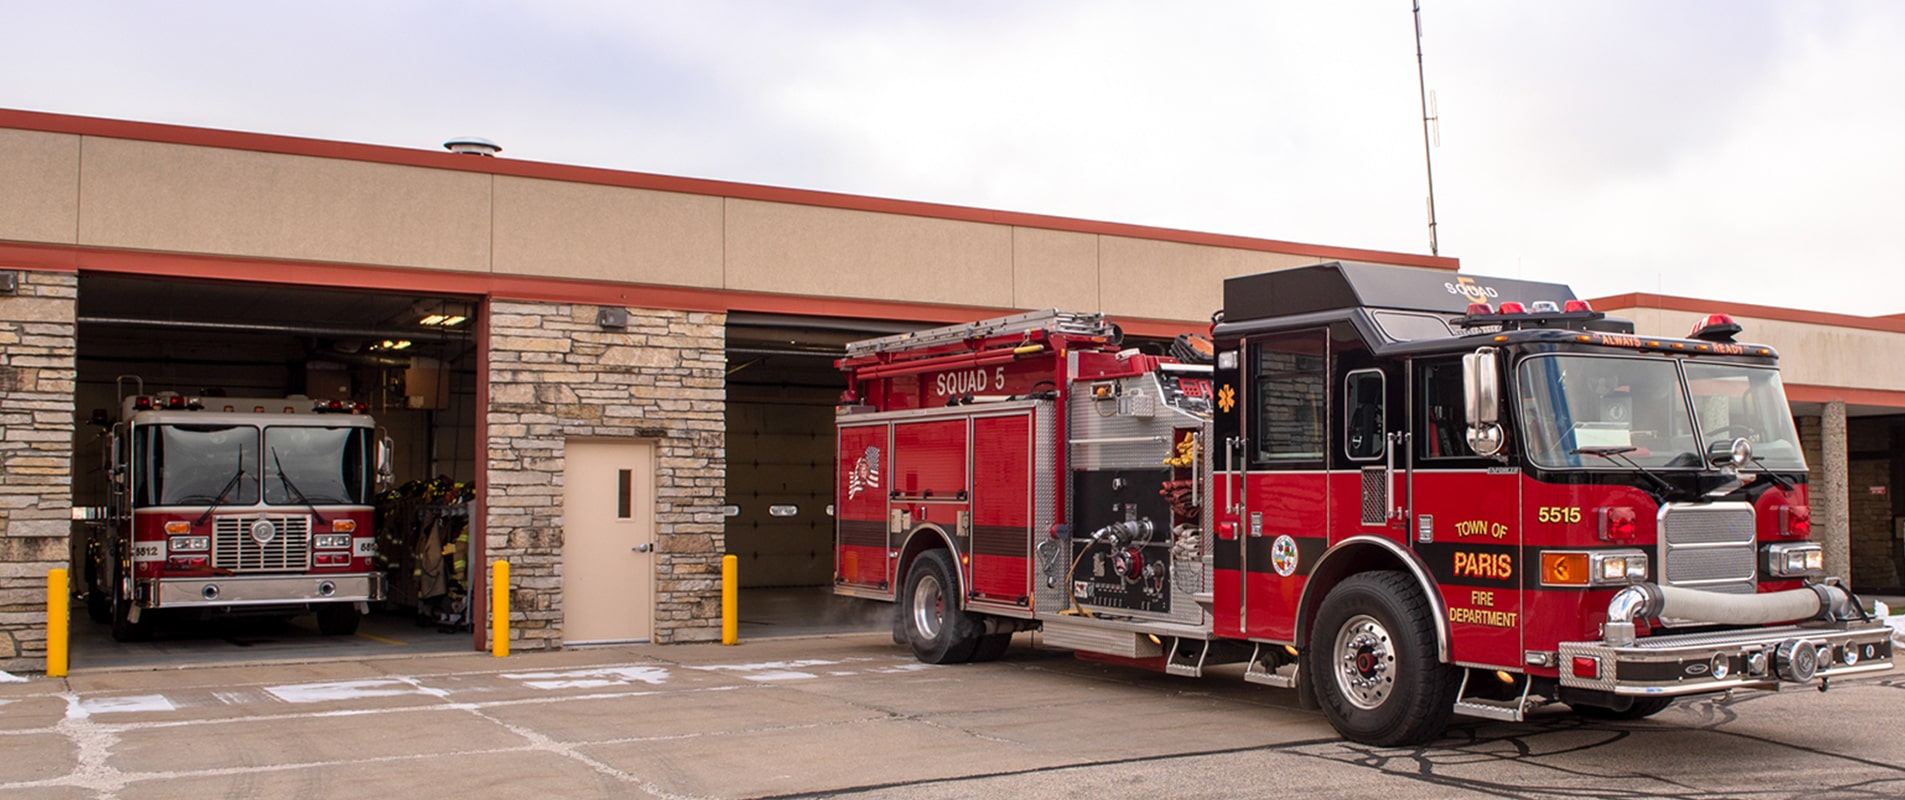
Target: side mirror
386	463
1730	454
1481	397
115	453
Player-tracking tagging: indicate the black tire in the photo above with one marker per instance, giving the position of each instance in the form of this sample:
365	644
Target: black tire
1641	708
992	646
123	628
338	619
98	604
939	631
1372	662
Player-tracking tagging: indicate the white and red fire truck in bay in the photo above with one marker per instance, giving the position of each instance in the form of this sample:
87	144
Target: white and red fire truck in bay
227	505
1404	492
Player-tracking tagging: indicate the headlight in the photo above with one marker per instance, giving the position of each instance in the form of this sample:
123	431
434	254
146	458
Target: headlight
333	541
1794	560
187	544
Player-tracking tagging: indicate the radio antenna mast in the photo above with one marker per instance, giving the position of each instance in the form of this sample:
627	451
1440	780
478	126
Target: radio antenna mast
1429	116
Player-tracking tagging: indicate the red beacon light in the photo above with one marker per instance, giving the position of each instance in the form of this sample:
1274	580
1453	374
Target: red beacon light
1512	307
1715	328
1480	309
1573	306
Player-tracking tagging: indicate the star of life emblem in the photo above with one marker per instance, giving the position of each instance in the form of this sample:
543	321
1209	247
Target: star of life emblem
865	473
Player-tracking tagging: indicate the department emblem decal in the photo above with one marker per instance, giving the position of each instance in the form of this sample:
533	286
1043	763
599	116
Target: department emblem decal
1226	398
865	473
1283	555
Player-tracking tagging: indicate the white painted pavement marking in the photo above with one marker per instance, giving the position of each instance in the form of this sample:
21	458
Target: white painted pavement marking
771	670
591	678
342	690
110	705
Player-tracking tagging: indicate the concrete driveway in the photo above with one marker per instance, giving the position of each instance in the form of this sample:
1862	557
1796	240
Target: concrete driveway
855	716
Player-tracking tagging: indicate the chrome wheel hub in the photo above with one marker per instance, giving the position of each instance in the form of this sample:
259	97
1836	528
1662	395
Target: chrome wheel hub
1366	662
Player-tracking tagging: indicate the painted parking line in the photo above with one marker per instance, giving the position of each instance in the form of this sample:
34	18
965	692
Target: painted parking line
598	678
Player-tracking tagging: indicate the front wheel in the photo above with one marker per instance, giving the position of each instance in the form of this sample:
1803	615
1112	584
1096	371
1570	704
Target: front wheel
1373	662
123	628
1641	708
938	629
338	619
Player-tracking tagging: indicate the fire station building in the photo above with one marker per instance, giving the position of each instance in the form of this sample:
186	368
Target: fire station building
612	379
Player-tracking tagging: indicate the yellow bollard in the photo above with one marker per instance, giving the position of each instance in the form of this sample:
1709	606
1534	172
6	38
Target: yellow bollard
499	609
57	593
730	600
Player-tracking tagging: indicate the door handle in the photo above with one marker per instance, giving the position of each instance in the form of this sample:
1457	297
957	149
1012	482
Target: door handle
641	548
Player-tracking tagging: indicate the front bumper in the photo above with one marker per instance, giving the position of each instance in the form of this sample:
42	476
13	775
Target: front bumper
261	590
1694	663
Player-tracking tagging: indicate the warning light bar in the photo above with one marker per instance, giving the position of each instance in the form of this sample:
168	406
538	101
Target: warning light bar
1715	328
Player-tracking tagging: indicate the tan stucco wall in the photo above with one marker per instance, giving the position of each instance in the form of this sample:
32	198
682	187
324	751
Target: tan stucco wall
792	249
578	230
39	186
167	197
1809	353
97	191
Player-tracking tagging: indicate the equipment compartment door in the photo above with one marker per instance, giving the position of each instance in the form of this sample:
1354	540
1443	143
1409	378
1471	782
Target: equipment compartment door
608	508
1002	476
861	557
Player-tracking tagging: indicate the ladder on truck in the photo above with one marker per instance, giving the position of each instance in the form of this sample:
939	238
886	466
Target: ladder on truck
1051	321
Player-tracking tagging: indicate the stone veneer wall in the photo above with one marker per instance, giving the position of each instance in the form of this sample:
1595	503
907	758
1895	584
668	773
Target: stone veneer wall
37	373
555	375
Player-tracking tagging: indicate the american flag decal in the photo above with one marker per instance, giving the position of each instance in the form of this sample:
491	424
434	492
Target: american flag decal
865	474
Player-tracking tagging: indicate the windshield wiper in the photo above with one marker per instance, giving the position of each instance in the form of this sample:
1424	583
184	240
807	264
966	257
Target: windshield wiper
293	489
220	499
1782	483
1619	455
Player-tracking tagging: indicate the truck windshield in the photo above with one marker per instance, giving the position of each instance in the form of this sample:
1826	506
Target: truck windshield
1733	402
1640	407
325	465
194	464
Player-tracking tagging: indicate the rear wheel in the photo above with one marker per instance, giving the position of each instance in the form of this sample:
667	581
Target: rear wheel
1641	708
939	631
1373	662
992	646
338	619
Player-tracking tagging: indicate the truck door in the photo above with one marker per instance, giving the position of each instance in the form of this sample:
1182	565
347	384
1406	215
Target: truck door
1464	521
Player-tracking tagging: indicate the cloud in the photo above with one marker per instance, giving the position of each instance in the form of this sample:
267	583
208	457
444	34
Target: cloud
1728	150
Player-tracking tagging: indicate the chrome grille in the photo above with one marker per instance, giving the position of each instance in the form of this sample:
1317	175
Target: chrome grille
1709	547
236	548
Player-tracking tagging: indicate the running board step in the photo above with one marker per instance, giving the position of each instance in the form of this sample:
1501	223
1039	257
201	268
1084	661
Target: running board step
1273	668
1188	657
1502	710
1514	710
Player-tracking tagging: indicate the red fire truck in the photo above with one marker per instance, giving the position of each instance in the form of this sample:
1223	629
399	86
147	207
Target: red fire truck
225	505
1404	492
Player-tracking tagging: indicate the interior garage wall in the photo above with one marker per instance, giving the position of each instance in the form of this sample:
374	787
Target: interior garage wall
37	371
781	454
554	375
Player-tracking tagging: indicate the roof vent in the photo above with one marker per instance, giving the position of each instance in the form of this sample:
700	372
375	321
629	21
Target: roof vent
472	145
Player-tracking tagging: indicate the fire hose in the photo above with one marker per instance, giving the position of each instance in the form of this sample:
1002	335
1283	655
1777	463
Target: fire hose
1645	600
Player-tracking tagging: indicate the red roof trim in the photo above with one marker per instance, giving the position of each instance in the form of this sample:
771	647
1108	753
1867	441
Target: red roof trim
1809	393
1889	324
291	145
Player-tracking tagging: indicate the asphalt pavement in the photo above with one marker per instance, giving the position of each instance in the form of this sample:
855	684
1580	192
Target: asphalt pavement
855	716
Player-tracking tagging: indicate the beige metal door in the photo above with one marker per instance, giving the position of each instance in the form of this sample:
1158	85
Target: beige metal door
608	541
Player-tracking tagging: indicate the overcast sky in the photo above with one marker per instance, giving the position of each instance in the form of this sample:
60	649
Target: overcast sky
1744	150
